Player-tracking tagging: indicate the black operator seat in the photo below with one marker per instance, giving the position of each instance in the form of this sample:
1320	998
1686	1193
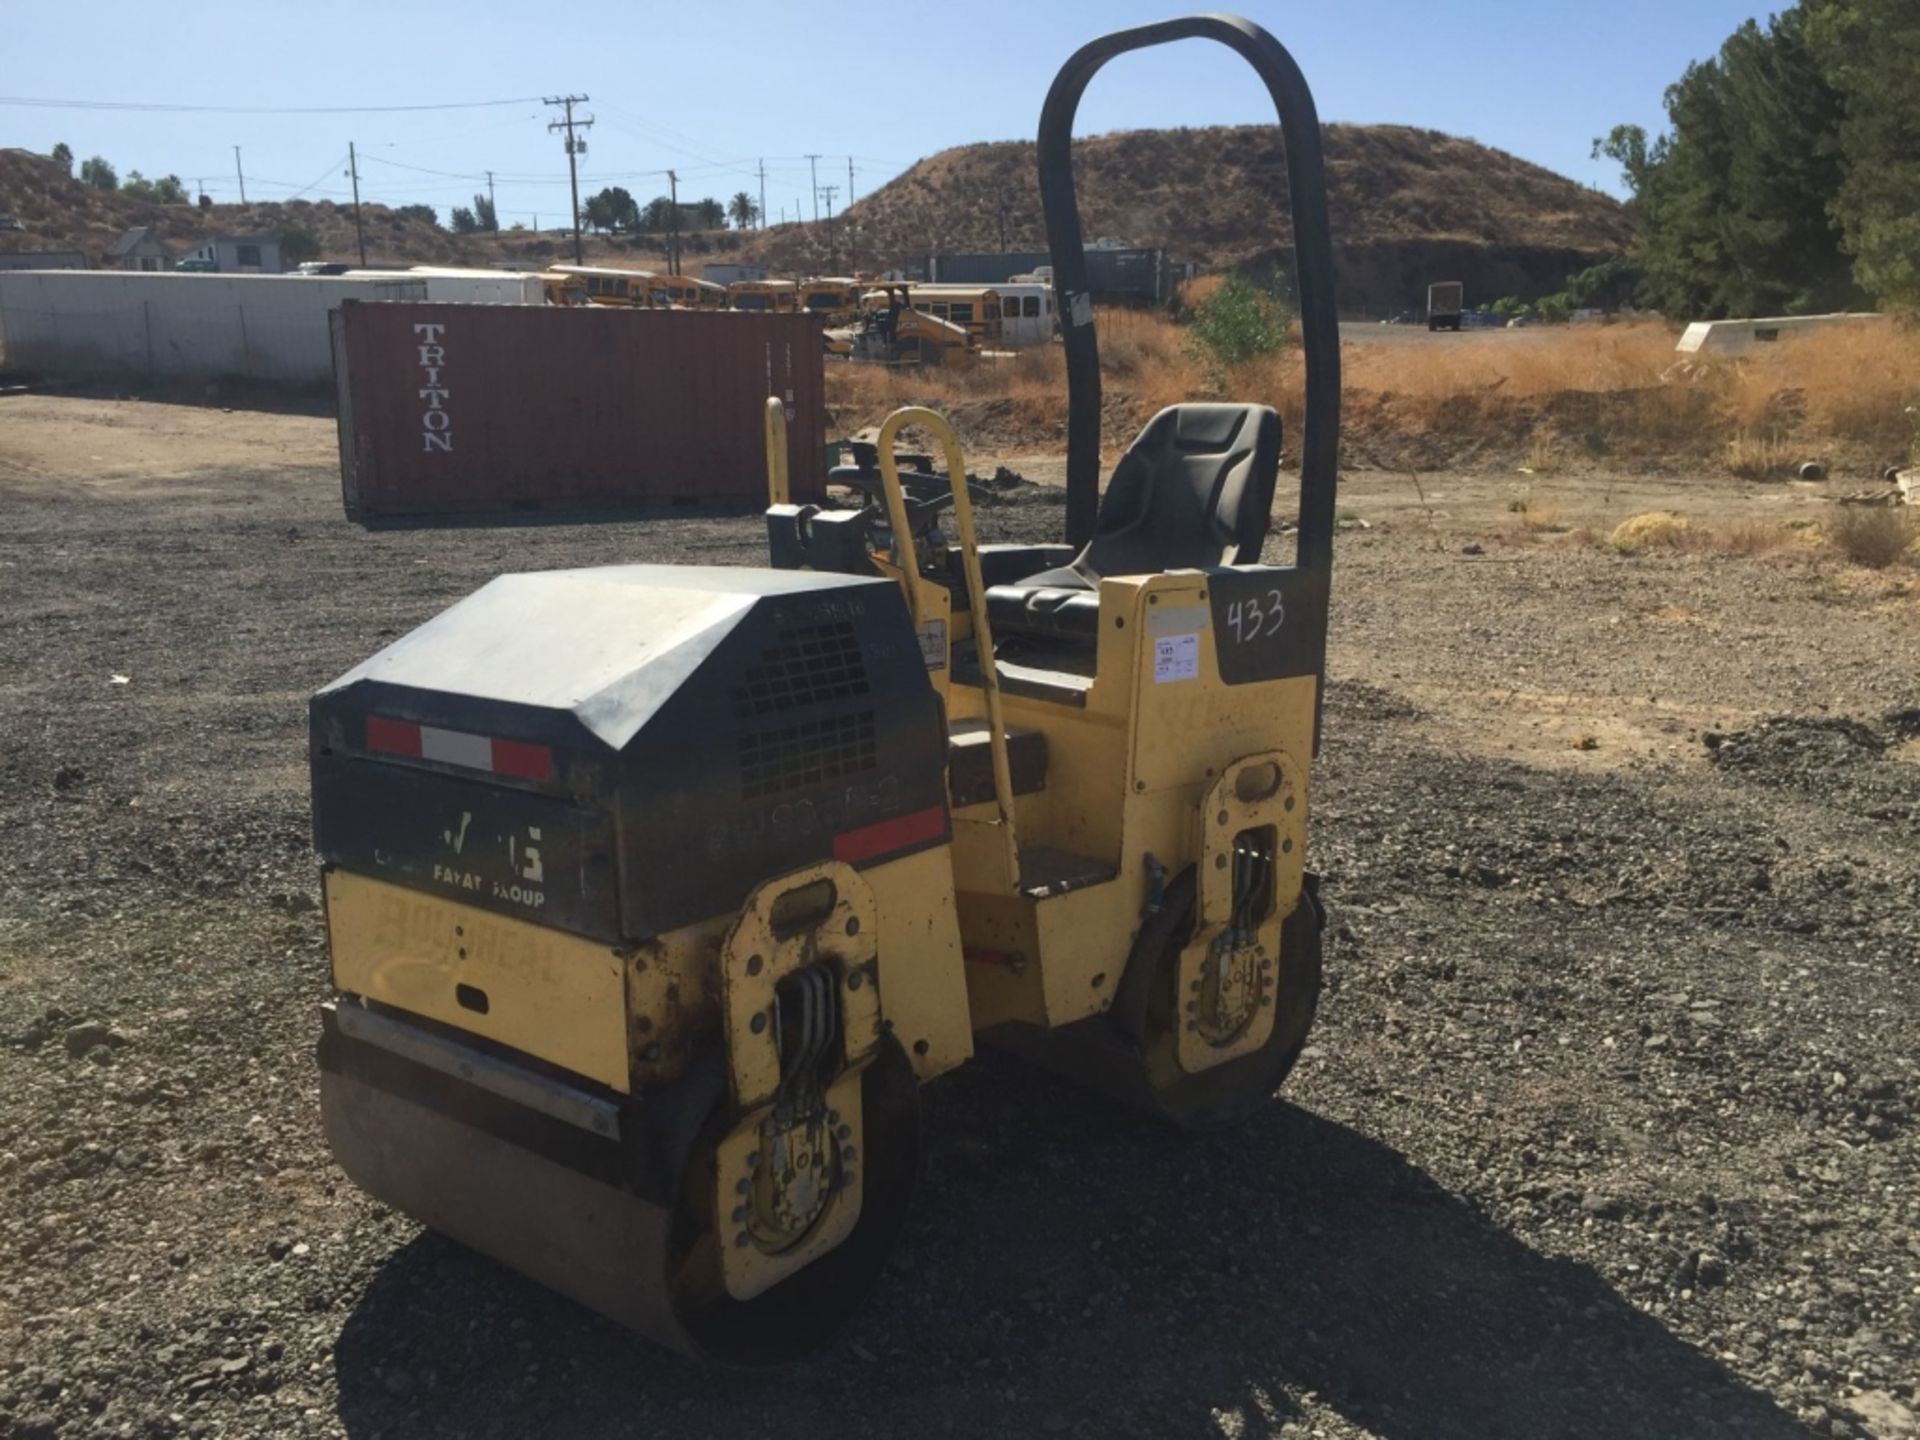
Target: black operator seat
1193	491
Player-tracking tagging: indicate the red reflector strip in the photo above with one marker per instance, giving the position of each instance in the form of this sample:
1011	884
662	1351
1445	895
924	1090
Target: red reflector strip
396	737
528	762
853	846
455	747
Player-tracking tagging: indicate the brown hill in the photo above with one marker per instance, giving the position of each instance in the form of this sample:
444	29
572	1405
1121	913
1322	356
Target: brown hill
57	212
1407	206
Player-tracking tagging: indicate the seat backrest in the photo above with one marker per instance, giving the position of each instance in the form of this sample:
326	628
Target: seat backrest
1194	490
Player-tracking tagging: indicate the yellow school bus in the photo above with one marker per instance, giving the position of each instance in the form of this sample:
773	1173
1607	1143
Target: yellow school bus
780	297
974	308
606	285
643	289
833	298
683	292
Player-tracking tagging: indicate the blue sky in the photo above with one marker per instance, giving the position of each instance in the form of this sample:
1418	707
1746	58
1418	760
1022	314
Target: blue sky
711	90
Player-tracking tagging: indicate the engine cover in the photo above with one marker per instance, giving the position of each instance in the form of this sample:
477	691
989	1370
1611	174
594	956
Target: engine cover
621	751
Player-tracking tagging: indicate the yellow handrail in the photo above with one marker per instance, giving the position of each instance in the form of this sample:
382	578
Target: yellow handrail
779	490
925	419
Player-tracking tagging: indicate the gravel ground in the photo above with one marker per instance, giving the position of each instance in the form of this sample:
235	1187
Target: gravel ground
1607	1129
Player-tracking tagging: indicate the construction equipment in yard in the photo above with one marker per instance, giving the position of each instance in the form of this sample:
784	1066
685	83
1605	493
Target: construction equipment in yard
654	893
893	332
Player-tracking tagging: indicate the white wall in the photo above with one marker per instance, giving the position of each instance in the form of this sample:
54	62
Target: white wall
474	287
118	324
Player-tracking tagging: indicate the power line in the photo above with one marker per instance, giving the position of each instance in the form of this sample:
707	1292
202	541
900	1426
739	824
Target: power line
41	104
315	182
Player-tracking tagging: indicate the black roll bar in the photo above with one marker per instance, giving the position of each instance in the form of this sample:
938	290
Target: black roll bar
1312	267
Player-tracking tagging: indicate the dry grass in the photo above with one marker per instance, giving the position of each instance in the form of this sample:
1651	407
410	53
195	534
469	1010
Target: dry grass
1754	537
1662	530
1586	358
1852	381
1758	457
1543	399
1875	536
1535	516
1655	530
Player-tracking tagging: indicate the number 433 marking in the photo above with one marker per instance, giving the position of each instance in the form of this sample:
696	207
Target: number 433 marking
1249	619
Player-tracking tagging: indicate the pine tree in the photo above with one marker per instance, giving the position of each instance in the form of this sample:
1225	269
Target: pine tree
1870	50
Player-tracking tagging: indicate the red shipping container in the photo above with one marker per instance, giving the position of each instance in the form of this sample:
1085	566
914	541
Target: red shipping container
474	408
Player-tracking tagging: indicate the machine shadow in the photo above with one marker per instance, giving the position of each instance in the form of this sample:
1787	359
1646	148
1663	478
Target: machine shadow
1072	1269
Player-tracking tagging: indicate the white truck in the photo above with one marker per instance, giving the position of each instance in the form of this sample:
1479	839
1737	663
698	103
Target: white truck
1446	299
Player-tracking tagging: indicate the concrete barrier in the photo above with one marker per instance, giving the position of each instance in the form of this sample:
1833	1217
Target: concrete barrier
1742	337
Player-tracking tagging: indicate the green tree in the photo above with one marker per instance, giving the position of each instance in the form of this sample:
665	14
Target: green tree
464	222
658	215
99	174
483	216
612	209
63	157
1731	205
743	210
426	214
167	190
709	213
1554	309
298	245
1626	146
1606	286
1870	50
1238	322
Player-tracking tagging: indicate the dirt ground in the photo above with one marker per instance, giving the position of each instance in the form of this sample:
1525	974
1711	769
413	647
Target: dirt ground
1607	1128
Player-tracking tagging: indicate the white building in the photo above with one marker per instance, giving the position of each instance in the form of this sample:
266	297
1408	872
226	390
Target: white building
140	249
235	255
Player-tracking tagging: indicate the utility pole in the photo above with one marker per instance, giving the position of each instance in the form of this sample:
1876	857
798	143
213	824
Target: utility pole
490	201
849	182
829	191
763	195
673	223
359	231
575	148
814	178
1003	228
239	175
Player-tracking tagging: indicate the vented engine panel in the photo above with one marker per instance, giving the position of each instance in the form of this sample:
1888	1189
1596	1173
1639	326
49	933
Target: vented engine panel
622	751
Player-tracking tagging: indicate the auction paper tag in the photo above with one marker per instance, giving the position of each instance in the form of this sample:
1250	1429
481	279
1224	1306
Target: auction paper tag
933	644
1176	657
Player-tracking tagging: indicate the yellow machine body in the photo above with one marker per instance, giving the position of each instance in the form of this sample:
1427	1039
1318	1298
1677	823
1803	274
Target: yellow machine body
654	894
1025	923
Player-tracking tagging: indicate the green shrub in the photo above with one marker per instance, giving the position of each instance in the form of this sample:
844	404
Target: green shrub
1239	322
